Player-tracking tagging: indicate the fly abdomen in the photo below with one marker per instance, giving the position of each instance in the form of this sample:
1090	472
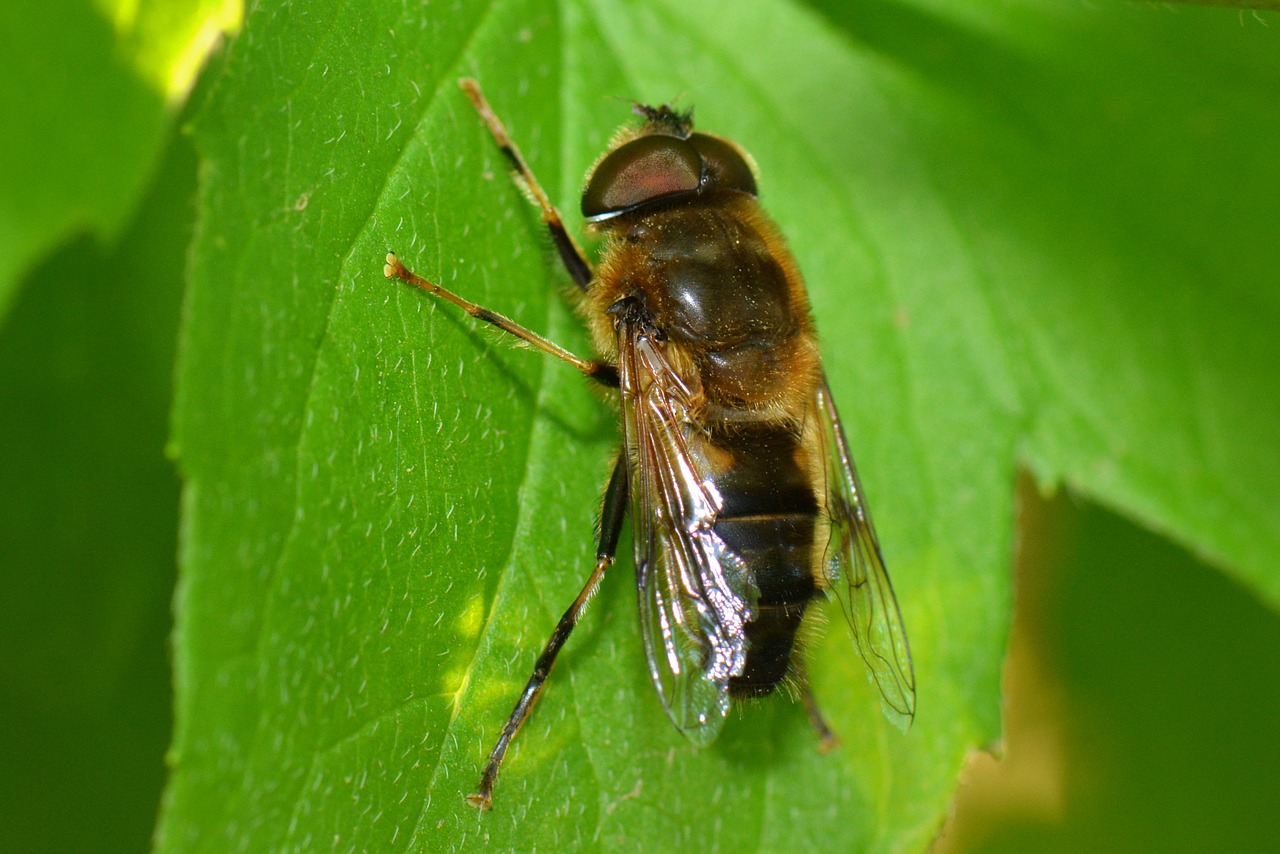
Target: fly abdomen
769	520
776	551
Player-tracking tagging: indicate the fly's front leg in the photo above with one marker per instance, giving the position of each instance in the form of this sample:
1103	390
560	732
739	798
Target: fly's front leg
611	516
601	372
570	253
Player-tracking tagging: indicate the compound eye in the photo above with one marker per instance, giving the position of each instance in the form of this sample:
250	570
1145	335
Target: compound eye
727	166
643	170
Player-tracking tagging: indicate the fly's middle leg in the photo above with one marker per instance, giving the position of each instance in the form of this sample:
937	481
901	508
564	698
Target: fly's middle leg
611	516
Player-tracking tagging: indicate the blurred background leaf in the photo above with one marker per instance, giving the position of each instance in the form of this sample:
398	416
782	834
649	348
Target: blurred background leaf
89	531
1138	713
89	90
96	212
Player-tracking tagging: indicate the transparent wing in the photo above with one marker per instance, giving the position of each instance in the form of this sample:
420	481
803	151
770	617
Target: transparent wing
855	573
694	595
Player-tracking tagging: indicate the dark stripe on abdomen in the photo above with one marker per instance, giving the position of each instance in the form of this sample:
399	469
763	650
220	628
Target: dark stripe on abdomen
769	521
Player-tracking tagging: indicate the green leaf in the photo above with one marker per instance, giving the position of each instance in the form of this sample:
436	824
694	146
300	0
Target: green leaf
89	530
89	90
1122	725
1031	235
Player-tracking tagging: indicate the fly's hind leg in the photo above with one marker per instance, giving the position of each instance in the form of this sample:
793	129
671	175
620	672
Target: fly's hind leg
611	516
570	253
827	739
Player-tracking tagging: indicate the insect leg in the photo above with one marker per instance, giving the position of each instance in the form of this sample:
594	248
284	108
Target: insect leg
570	254
827	739
611	516
597	370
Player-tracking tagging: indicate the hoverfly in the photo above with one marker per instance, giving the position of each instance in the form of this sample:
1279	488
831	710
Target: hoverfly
744	502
